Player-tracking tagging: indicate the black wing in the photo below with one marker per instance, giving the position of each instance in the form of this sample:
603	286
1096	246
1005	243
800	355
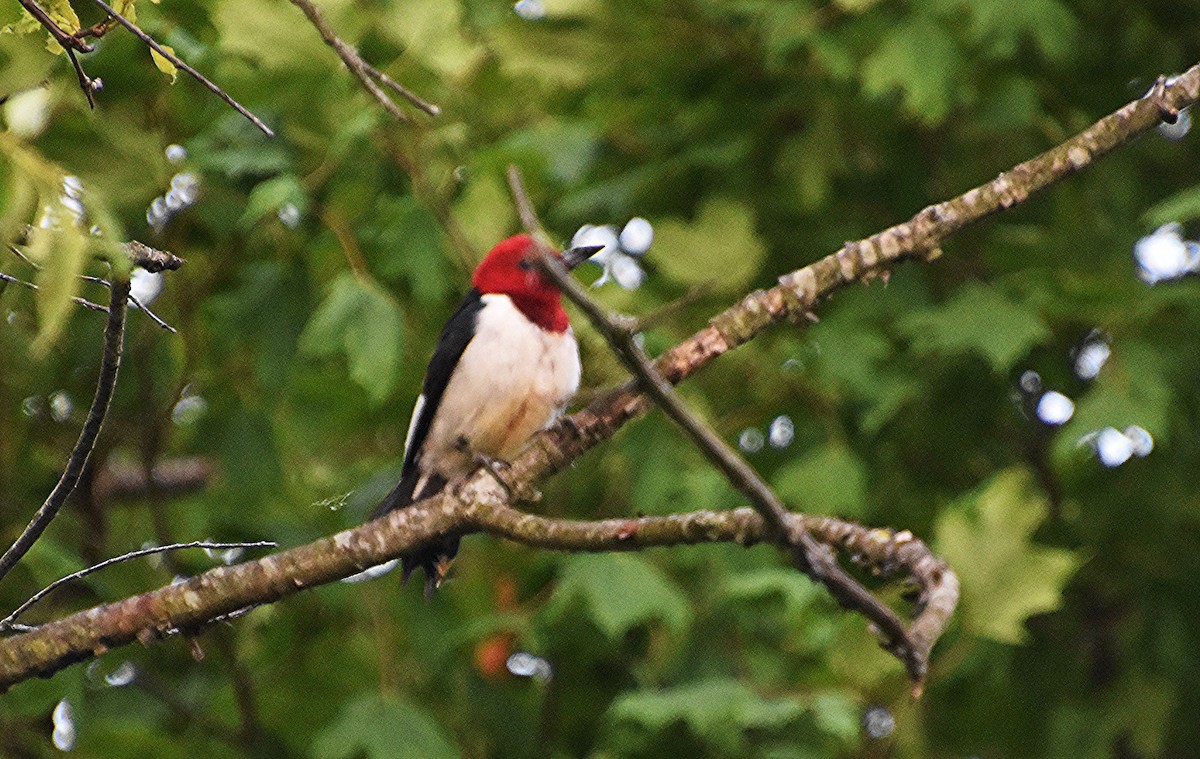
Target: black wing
459	330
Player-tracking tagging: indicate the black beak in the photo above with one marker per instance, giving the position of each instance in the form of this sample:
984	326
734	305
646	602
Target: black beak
575	256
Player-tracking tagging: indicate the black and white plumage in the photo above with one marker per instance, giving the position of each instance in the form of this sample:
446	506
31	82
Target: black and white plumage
504	367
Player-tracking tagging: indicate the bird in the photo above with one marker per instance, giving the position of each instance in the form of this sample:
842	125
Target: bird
505	366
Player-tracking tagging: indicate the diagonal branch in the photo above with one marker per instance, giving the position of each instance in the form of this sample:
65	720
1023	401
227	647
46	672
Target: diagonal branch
365	72
110	362
180	64
67	41
479	504
810	557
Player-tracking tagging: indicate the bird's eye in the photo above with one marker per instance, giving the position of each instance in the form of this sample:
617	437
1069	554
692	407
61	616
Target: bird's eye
525	264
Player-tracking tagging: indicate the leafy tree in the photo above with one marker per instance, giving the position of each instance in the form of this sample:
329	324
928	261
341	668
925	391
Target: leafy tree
756	137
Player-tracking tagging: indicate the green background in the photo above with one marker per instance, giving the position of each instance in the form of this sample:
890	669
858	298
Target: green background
756	136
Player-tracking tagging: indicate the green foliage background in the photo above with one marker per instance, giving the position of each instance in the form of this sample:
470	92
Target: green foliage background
756	136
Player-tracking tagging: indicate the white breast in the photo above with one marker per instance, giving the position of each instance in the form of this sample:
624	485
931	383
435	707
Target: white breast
512	380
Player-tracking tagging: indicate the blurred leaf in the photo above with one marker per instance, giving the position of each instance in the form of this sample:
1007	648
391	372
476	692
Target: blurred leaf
918	58
1182	207
1006	577
365	324
234	147
1000	26
61	252
826	480
620	591
432	32
719	247
485	211
402	240
977	319
382	728
272	194
717	711
837	715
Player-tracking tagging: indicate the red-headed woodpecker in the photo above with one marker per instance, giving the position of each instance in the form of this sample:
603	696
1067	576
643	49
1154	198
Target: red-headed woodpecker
504	367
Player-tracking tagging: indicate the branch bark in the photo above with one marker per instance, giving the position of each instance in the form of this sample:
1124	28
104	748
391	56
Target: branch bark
810	557
480	502
110	362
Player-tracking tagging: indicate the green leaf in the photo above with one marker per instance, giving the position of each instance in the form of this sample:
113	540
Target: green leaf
837	715
271	195
62	253
382	728
163	63
828	480
1006	577
796	590
920	59
717	711
403	241
621	592
485	211
720	247
365	324
977	319
1000	26
1183	206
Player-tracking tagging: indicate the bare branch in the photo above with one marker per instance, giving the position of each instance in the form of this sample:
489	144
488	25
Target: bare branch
363	70
179	63
7	622
151	259
87	303
86	83
814	560
74	299
67	41
481	504
110	363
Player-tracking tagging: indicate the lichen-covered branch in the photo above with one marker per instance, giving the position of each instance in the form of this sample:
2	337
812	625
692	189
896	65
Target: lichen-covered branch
480	503
808	555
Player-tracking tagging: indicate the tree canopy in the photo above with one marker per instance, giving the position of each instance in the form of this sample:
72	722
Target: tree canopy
1024	402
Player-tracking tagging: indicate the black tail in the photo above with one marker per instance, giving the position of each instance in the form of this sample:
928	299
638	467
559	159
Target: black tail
433	557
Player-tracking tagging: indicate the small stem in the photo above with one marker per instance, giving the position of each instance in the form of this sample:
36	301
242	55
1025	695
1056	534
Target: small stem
179	62
110	363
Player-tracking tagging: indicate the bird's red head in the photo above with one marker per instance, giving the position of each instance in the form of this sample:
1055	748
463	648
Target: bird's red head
510	269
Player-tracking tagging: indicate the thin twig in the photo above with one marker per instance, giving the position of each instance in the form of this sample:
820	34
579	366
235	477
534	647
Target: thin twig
94	306
363	70
86	83
179	63
68	41
153	316
74	299
110	363
809	557
7	622
431	108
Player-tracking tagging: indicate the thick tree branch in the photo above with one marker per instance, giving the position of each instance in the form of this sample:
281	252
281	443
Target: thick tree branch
226	590
110	362
8	622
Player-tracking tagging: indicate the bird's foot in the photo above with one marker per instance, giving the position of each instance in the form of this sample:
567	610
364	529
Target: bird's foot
500	471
